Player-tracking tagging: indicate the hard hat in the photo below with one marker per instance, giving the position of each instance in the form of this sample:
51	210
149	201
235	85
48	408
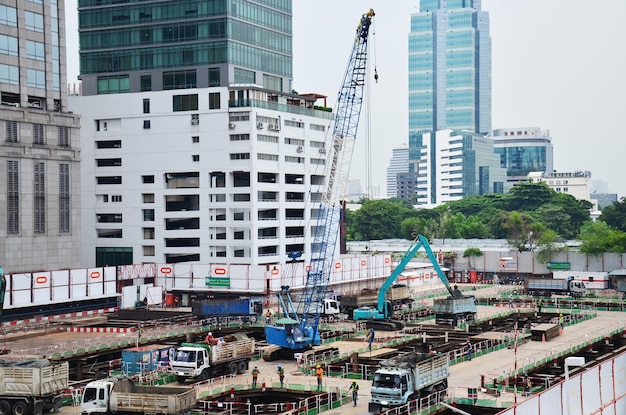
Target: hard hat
354	381
210	334
279	366
318	366
560	315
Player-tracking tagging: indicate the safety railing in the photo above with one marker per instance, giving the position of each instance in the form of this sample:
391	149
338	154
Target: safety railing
421	406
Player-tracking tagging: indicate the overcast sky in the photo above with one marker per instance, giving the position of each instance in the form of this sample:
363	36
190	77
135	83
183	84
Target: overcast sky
559	65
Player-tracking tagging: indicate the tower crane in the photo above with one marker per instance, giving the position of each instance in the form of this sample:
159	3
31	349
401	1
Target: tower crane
299	330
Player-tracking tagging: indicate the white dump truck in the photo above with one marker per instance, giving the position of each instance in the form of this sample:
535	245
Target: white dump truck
122	396
408	377
200	361
32	386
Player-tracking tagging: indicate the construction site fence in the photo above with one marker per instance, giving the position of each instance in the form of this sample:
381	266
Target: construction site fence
423	406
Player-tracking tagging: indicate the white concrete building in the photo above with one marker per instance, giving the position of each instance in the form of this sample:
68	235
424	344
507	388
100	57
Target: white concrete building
399	163
577	184
457	164
211	175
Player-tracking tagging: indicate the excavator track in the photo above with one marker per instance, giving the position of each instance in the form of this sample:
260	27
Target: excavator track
384	325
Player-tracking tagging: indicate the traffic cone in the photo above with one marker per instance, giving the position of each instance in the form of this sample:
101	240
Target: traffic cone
543	338
561	331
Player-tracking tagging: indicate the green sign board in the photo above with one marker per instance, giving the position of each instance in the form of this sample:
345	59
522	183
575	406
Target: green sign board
217	281
558	265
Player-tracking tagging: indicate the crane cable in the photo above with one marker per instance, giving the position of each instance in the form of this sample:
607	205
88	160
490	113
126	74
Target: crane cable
368	120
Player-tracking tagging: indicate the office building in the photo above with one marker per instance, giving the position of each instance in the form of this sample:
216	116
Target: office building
523	150
399	163
457	164
39	153
194	148
577	184
449	69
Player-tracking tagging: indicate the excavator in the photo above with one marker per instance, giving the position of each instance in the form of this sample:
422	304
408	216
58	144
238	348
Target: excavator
449	310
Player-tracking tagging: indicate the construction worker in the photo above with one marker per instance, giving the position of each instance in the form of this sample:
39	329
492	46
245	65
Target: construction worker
255	376
281	375
527	385
470	349
539	304
354	388
319	373
268	316
561	321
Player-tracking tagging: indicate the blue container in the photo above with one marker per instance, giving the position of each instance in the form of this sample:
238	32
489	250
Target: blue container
143	359
214	308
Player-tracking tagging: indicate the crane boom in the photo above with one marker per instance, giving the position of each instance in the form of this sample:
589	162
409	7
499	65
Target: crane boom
326	230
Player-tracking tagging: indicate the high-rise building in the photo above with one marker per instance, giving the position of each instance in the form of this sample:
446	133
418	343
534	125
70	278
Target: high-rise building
39	153
523	150
194	148
449	69
399	163
457	164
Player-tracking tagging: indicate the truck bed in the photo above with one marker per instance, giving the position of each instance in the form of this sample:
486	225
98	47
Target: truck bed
454	305
128	397
237	345
37	378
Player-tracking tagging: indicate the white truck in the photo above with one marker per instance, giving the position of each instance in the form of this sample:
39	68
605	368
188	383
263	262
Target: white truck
408	377
122	396
328	308
32	387
200	361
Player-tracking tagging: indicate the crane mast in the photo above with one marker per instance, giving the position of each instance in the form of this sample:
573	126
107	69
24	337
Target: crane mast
326	230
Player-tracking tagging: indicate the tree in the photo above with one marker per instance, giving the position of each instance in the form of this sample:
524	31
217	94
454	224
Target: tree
594	235
547	246
471	252
518	230
379	219
528	196
615	215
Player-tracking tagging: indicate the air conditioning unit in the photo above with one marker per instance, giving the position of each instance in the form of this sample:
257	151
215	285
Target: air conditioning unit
259	125
300	149
231	125
195	121
323	150
276	127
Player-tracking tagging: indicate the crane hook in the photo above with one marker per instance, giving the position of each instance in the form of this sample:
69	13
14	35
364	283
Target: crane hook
375	75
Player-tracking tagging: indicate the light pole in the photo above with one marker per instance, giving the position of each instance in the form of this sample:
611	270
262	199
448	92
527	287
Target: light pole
570	361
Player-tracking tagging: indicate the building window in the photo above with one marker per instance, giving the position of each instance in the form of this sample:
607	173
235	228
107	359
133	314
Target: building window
195	139
33	21
64	136
8	45
195	157
214	77
146	105
148	250
195	119
147	179
146	83
240	156
64	198
148	197
34	50
116	198
148	215
35	78
243	76
146	124
109	144
13	197
9	74
148	233
112	162
214	100
11	131
109	233
39	188
38	134
113	84
8	15
109	180
185	102
239	137
179	80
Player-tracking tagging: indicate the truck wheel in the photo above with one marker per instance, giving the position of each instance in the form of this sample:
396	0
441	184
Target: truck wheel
253	319
232	368
20	408
180	379
242	367
5	408
331	319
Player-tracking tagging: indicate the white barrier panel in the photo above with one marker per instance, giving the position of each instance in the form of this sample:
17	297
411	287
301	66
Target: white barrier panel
78	284
95	283
42	287
110	281
590	390
61	286
130	294
154	295
182	276
549	401
619	373
20	289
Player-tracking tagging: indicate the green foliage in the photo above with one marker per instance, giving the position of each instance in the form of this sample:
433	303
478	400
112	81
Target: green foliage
379	219
598	237
615	215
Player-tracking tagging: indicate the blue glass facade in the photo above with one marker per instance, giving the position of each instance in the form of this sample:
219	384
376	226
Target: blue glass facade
524	150
449	69
136	37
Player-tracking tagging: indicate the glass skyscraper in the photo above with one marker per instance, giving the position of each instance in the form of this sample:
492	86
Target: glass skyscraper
449	69
138	46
